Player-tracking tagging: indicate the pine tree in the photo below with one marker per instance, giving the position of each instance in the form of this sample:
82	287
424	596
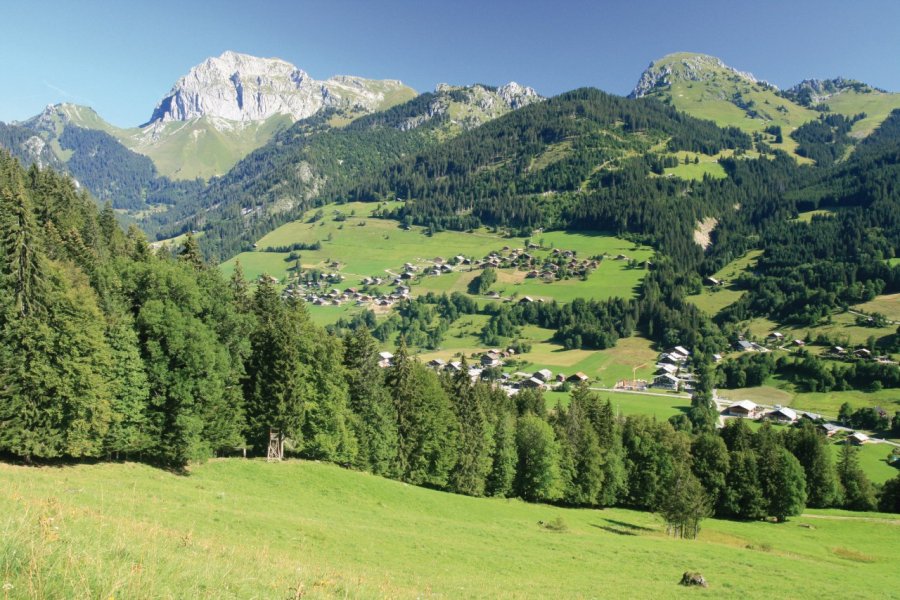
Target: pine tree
538	477
371	404
503	459
811	449
22	268
276	378
684	504
582	444
858	491
475	435
190	252
786	486
127	433
710	465
743	496
426	426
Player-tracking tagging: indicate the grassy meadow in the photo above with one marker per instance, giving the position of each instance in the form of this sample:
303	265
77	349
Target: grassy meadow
843	325
713	299
366	247
248	529
888	305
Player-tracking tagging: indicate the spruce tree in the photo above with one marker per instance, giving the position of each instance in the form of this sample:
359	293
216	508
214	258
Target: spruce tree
538	477
710	464
427	428
370	403
811	449
858	491
742	497
582	444
475	435
786	486
503	459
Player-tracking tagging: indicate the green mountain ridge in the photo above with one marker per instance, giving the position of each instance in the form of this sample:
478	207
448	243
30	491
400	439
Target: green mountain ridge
705	87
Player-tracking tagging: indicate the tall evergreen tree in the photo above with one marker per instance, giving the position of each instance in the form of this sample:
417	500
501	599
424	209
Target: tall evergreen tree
786	486
538	477
811	449
503	459
426	425
858	491
475	435
371	404
743	496
710	465
580	442
276	377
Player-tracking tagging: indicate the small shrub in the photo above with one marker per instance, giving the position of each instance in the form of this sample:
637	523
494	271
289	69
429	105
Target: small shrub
557	525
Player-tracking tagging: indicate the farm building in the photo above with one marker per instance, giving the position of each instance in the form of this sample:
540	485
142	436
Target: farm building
578	377
667	381
829	429
386	359
745	409
543	375
857	439
782	415
532	383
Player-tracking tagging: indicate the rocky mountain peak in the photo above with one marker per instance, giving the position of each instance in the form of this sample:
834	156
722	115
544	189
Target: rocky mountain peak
517	96
810	92
686	66
240	87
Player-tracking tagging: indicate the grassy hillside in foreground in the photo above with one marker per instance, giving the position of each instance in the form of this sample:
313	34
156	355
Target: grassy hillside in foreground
247	529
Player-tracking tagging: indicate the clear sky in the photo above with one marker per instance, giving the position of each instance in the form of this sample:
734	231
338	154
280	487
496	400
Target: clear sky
122	56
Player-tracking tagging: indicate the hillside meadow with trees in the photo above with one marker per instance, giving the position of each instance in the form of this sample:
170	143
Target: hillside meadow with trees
109	351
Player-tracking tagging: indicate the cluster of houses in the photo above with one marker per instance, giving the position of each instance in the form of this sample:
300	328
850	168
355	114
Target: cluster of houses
336	297
841	353
747	409
779	340
511	383
673	371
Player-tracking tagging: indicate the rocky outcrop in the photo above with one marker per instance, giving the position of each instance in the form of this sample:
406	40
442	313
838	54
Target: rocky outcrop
239	87
473	105
687	67
811	92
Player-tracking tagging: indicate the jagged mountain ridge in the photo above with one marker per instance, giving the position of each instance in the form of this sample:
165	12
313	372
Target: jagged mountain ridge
240	87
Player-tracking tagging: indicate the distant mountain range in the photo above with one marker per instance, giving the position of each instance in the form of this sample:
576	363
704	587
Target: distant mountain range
245	143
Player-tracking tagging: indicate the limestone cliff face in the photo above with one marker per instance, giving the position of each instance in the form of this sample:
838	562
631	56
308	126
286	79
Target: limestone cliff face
239	87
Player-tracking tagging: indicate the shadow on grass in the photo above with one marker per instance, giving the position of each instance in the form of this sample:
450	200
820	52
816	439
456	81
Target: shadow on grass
622	527
627	525
609	529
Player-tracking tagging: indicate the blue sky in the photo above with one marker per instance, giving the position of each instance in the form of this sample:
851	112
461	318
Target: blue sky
121	57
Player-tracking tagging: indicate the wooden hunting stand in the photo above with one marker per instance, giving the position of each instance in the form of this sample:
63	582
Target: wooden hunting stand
276	445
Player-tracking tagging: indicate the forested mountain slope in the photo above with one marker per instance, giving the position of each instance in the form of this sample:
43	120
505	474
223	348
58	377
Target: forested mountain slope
315	160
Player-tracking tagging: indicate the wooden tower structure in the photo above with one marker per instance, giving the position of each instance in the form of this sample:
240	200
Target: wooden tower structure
276	445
